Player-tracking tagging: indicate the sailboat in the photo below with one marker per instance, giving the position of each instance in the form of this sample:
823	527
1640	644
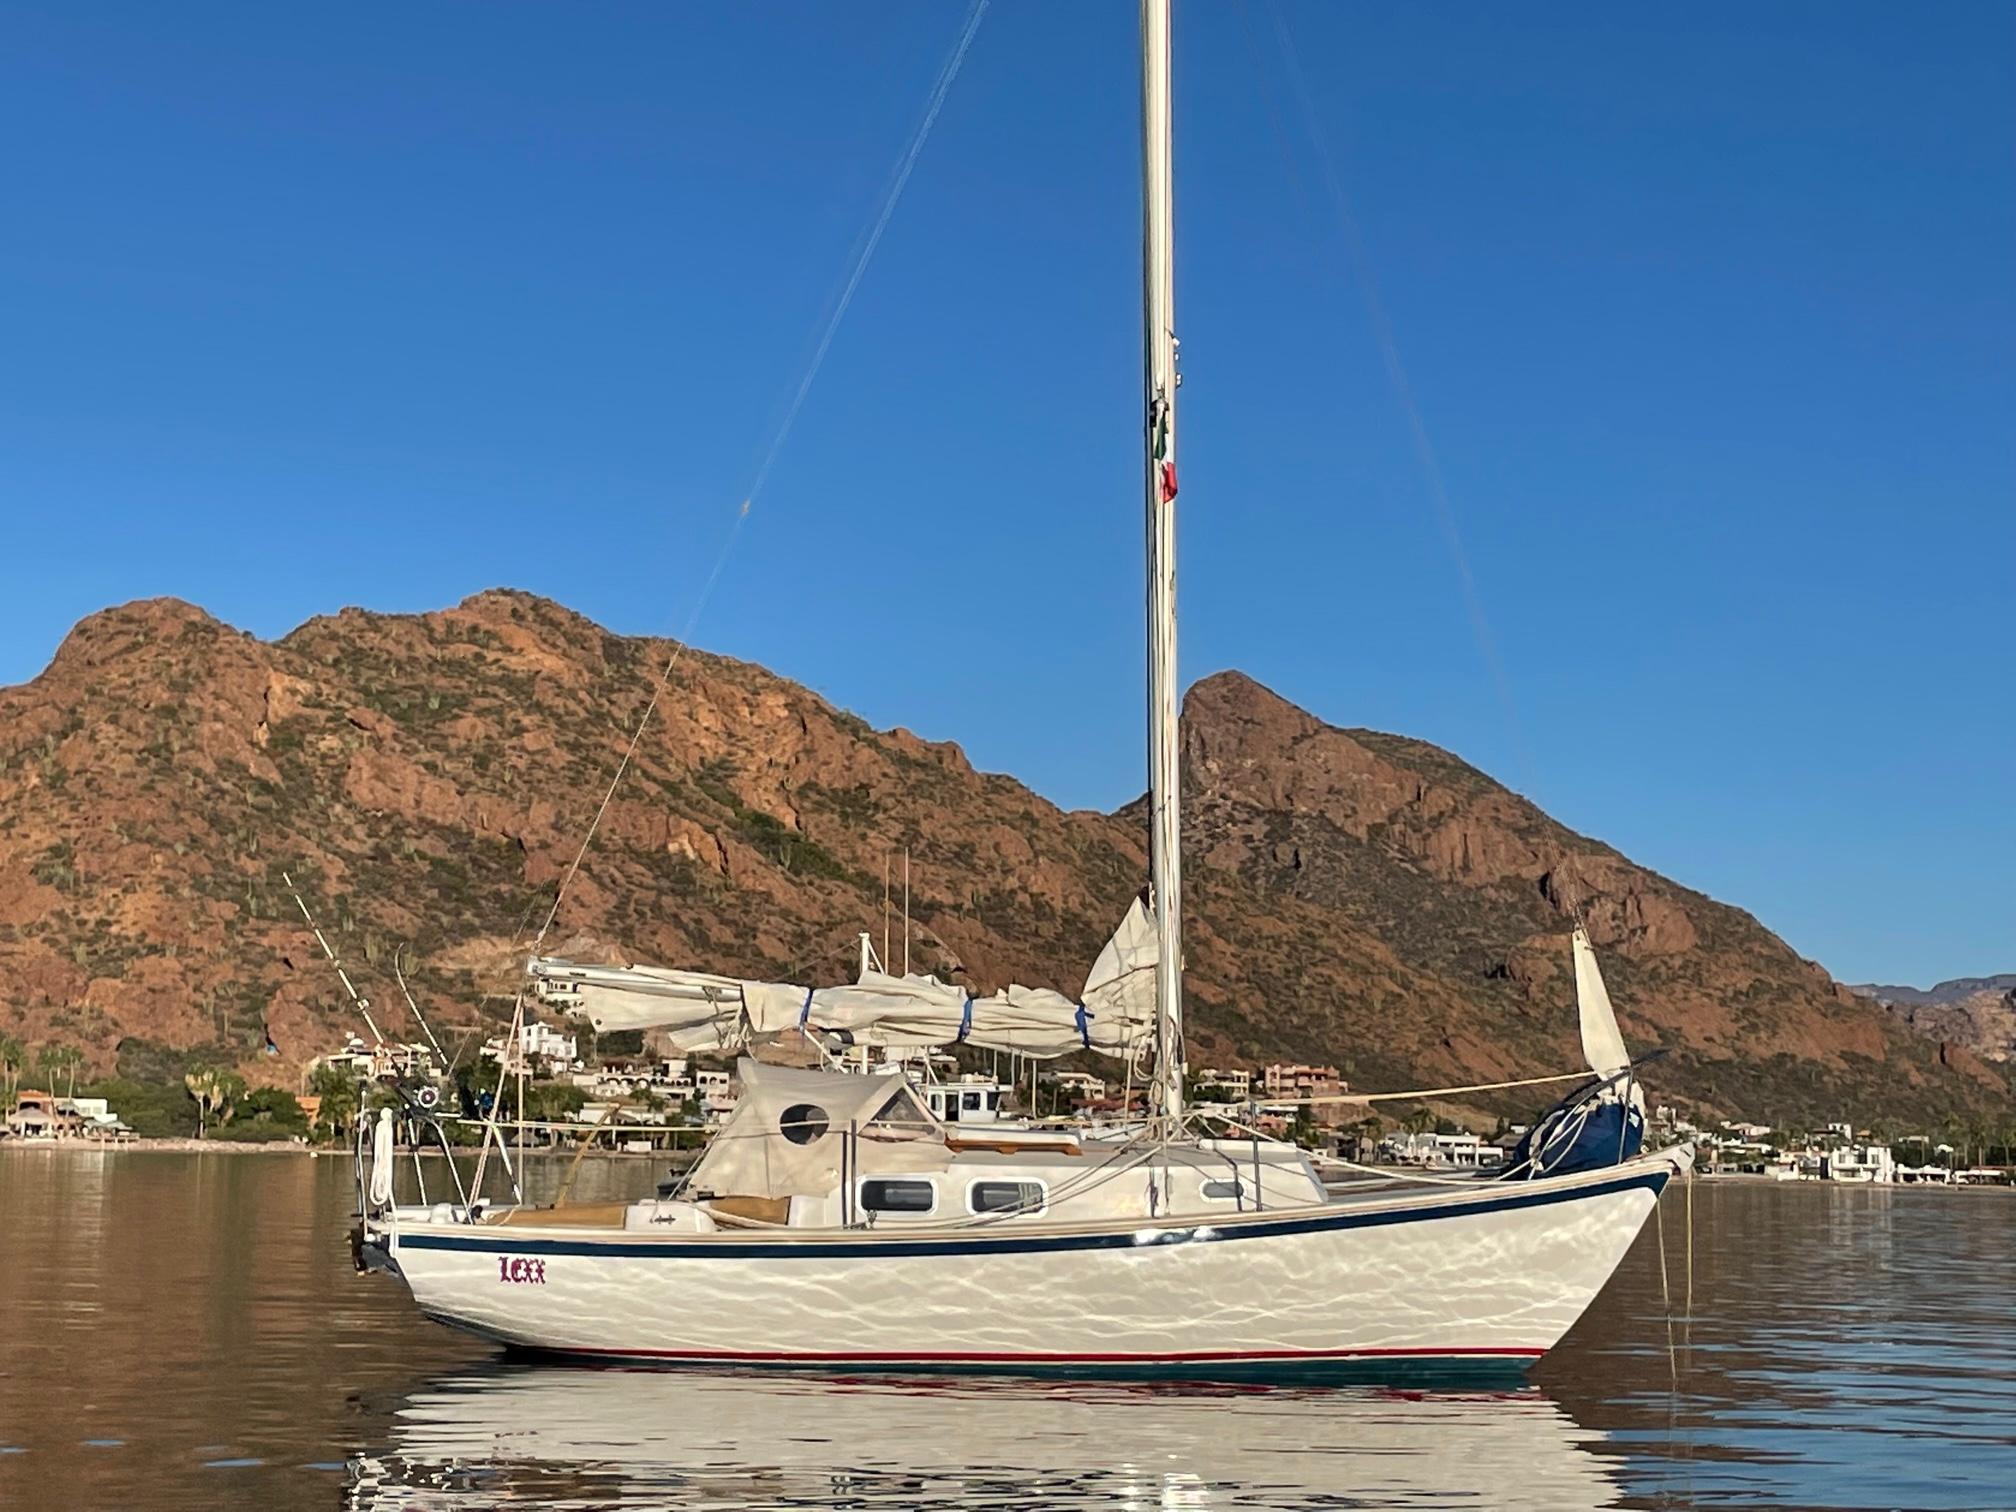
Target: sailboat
834	1220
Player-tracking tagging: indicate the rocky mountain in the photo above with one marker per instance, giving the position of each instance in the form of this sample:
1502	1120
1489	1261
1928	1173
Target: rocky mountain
1978	1012
1958	990
427	779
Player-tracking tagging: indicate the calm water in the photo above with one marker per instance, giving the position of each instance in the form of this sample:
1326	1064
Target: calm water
184	1331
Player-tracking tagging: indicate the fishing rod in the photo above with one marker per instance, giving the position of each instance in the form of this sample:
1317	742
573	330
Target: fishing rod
357	999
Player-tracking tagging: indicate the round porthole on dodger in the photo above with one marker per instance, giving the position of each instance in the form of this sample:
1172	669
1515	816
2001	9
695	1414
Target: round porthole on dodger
801	1123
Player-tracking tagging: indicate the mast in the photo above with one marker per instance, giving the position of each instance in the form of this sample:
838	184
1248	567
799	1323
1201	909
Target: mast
1158	279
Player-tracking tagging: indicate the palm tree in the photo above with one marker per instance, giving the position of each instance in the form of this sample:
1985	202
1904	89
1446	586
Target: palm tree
59	1060
338	1093
215	1091
13	1056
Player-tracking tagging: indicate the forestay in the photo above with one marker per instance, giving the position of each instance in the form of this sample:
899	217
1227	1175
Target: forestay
1115	1015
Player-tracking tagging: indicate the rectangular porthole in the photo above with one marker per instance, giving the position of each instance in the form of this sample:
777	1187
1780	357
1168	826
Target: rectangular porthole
883	1196
1223	1191
1005	1197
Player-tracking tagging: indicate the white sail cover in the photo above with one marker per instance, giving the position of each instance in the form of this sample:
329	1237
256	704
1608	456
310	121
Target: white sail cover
696	1010
1601	1041
1115	1015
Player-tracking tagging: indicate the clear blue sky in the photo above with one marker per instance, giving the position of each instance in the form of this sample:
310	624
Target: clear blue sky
1709	313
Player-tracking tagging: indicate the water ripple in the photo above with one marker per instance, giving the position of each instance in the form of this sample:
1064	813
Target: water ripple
1830	1349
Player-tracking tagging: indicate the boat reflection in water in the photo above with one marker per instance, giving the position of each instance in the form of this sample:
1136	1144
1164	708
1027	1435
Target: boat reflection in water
532	1435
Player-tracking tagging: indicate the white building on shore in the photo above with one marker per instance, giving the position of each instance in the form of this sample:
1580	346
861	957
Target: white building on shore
1868	1165
541	1050
1449	1151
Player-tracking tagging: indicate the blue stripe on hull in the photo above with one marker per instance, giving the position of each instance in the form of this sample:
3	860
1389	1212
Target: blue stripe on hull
1397	1369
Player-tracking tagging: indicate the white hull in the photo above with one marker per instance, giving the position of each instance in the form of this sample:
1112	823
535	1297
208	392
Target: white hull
1490	1274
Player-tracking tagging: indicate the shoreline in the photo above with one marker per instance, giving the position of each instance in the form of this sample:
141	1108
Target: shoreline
174	1146
180	1146
1751	1178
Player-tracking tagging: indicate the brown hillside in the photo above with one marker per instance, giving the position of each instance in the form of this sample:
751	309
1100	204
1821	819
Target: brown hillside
1356	896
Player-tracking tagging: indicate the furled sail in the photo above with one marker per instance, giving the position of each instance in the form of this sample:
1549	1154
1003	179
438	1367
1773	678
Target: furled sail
1601	1041
1121	983
1115	1015
696	1010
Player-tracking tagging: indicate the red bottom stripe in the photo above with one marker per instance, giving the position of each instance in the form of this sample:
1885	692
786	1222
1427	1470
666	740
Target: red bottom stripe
1206	1357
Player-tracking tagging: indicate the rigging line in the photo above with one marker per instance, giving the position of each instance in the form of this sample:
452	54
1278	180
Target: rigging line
399	975
1359	259
1666	1300
510	1048
935	102
518	934
643	722
1385	1173
1416	1094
